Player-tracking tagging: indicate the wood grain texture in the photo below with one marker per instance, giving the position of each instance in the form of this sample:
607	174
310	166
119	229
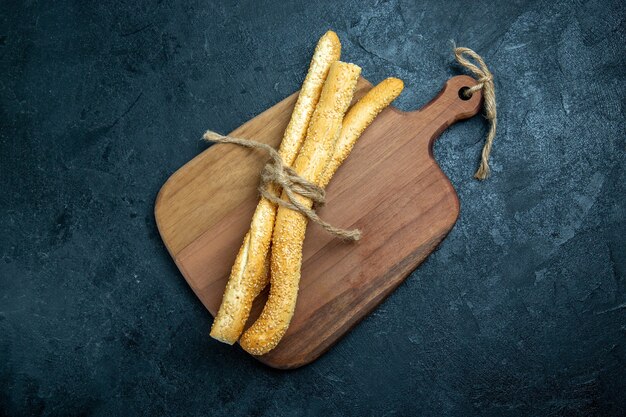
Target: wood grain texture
390	187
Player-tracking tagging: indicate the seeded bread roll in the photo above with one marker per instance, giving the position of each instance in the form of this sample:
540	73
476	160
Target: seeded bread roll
247	277
289	230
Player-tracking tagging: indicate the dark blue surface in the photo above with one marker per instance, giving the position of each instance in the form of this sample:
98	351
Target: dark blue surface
521	311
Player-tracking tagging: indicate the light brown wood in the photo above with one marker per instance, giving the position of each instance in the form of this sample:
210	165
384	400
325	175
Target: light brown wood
390	187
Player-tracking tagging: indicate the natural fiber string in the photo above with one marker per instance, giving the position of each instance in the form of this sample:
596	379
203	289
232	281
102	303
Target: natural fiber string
485	83
276	172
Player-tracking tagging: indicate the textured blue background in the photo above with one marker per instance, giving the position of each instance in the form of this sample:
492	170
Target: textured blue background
521	311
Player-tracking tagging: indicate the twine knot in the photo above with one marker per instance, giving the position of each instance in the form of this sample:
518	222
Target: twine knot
276	172
485	83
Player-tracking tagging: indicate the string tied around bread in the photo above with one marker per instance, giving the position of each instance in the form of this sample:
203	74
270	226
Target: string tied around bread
292	184
485	83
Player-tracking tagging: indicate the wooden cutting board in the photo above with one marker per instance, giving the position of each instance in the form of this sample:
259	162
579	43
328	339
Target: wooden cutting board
390	187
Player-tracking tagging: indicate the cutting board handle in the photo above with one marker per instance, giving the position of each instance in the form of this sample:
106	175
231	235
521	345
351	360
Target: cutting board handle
447	108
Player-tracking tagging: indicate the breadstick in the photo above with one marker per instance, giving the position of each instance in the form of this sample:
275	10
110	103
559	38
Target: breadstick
358	118
290	226
247	277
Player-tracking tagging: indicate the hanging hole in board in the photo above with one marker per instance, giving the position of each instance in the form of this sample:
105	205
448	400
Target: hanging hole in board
463	95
